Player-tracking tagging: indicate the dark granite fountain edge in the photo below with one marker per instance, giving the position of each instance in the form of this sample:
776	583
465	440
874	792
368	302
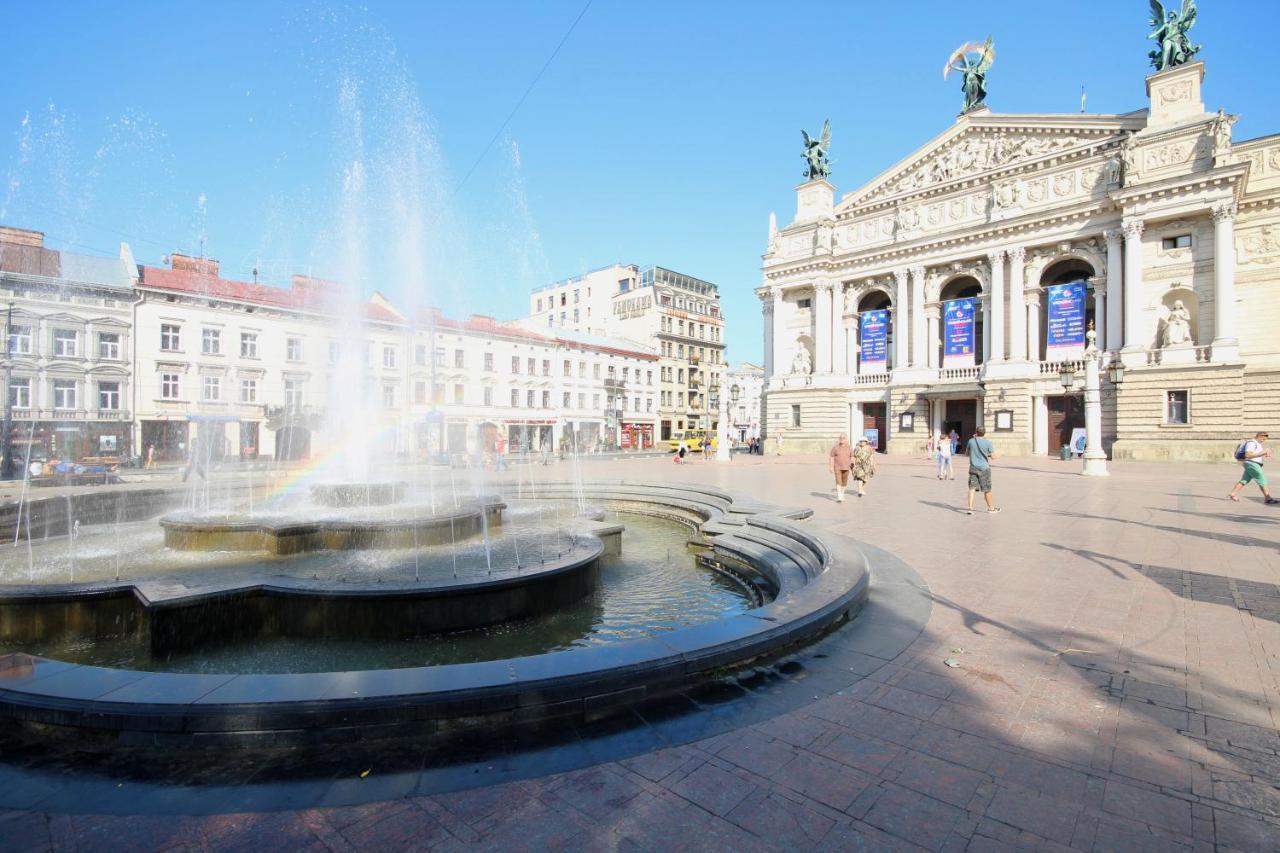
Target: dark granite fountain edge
585	683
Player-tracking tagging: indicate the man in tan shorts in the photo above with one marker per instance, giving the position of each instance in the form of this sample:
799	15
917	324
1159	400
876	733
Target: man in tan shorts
840	461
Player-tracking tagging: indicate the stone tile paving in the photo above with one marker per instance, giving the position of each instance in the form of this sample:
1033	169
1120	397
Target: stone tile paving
1119	686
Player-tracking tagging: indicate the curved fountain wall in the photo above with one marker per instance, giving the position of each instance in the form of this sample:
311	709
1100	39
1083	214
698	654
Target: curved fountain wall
813	591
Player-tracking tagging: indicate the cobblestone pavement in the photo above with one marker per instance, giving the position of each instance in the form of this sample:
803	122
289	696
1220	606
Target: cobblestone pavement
1118	688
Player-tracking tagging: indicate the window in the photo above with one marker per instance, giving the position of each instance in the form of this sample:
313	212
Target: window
533	366
211	341
795	414
170	337
648	404
388	356
335	351
488	396
64	343
459	358
539	308
576	294
546	399
595	401
459	394
248	390
648	377
249	347
169	388
20	393
582	370
420	392
109	345
293	349
515	364
595	370
210	388
437	393
575	315
20	340
1181	241
568	367
388	396
64	393
488	362
1177	410
546	367
515	398
293	394
564	400
680	398
437	356
804	303
528	398
420	355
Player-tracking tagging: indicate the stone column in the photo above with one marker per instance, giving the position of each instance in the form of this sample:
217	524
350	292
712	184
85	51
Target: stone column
1033	324
767	310
919	344
1134	338
985	303
1100	310
779	333
1017	305
901	319
839	335
1226	346
1115	276
931	335
995	319
822	327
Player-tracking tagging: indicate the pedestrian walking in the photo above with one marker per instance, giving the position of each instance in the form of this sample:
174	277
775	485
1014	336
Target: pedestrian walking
1250	454
151	458
981	452
839	462
954	438
942	450
864	465
681	450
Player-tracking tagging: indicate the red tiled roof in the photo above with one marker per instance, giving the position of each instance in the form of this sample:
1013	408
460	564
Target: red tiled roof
305	295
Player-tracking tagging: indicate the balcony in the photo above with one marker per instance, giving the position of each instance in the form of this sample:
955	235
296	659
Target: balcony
614	383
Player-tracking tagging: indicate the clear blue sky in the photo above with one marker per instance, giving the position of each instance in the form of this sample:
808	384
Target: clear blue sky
661	133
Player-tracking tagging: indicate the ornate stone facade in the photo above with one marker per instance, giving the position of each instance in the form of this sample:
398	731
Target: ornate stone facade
1174	227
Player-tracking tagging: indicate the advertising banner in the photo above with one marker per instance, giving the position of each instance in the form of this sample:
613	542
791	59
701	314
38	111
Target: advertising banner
873	438
875	329
957	325
1065	326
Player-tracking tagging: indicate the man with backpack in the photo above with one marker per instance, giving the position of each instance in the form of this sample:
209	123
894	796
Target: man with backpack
1250	454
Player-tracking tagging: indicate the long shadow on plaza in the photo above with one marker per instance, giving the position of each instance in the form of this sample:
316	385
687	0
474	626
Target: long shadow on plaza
1230	538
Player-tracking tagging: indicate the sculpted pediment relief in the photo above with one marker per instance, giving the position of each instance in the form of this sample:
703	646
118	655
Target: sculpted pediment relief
973	152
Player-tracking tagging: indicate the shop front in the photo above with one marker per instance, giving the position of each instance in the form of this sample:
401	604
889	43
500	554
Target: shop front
531	436
636	436
81	441
169	438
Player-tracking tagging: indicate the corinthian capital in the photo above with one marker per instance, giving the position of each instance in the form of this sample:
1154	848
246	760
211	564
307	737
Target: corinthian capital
1133	228
1017	254
917	272
1224	212
900	275
996	256
1112	234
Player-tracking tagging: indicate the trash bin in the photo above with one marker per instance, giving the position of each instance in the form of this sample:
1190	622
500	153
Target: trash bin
1065	453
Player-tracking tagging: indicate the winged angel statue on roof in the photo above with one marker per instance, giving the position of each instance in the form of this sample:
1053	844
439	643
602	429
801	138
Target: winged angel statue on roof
1173	47
815	153
974	68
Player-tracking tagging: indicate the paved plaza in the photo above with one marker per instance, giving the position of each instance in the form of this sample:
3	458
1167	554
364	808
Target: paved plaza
1117	688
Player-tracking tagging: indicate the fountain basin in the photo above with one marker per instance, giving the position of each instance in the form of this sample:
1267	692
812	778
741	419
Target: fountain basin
185	532
816	590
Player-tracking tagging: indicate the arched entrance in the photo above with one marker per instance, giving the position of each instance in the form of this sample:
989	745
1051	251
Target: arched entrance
876	300
964	287
1064	271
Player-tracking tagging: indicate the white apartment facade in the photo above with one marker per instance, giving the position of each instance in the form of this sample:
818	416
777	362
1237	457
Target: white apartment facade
747	380
68	323
580	303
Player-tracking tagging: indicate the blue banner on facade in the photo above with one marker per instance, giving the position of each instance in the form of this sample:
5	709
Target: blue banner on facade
875	328
957	319
1065	326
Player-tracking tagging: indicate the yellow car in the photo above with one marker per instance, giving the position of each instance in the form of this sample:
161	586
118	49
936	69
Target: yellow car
692	439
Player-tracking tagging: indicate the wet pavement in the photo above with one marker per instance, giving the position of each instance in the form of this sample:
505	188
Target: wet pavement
1117	686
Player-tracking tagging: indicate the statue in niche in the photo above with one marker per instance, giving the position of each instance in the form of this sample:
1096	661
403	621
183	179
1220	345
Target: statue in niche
1177	328
1222	133
974	69
815	153
1129	160
802	364
823	236
1173	46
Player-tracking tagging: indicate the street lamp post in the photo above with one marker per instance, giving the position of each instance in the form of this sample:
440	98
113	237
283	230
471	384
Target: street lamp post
722	451
6	437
